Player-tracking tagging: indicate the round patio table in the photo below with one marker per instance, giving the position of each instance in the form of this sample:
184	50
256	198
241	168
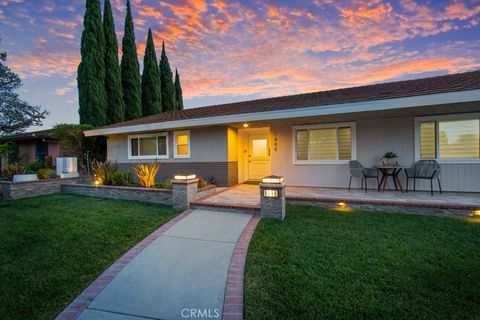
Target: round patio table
390	170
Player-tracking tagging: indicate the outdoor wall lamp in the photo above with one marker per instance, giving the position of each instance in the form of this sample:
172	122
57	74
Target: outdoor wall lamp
184	177
273	180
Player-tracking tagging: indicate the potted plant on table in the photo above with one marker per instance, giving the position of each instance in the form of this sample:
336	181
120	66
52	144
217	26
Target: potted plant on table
390	158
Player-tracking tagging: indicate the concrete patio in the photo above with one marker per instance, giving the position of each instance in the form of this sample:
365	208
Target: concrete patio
247	195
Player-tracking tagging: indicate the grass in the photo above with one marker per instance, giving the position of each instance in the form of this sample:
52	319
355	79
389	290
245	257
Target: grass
52	247
325	264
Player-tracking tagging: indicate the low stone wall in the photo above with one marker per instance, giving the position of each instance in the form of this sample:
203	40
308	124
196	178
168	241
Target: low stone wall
161	196
206	191
27	189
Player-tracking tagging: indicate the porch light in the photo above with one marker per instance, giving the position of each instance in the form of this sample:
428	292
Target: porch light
273	180
245	125
184	177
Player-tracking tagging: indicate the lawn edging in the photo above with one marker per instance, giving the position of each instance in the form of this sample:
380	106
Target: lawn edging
233	301
81	302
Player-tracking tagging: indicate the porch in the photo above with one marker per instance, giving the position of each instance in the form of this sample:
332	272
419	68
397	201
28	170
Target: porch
247	197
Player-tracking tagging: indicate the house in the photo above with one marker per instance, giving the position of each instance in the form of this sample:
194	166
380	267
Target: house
309	138
32	146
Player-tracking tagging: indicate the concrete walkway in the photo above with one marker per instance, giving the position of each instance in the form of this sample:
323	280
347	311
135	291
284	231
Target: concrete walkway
182	274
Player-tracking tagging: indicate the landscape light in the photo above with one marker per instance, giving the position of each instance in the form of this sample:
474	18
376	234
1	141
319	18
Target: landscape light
245	125
476	212
273	180
184	177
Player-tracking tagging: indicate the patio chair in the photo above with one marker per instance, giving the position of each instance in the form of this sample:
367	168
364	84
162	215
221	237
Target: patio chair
359	171
424	169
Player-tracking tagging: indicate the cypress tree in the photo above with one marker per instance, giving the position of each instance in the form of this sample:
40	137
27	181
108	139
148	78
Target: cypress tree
130	70
151	90
91	71
113	80
178	91
166	80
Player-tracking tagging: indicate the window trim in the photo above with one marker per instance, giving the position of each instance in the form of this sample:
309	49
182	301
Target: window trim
444	117
175	135
149	157
336	125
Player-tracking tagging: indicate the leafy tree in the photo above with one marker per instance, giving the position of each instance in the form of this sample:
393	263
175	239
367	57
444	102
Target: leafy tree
168	90
91	71
151	90
113	80
130	70
178	91
15	115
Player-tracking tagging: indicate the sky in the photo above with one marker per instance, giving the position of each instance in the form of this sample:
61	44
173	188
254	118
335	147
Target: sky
230	51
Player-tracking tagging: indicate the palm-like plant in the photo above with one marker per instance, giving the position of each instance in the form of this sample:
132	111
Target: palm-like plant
103	171
12	170
146	173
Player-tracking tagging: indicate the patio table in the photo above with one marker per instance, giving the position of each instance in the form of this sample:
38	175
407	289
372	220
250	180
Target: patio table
390	170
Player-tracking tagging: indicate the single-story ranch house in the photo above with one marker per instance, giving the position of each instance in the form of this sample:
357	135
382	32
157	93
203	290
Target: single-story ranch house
309	138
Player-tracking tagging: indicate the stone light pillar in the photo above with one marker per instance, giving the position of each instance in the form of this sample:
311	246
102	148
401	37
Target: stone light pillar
184	190
272	197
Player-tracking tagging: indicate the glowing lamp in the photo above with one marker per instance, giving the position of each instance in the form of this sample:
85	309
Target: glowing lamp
245	125
184	177
270	193
476	212
342	205
273	180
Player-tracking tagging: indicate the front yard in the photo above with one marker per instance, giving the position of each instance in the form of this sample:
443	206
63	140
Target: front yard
52	247
325	264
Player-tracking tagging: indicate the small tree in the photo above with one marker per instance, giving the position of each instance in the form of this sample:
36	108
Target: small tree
15	115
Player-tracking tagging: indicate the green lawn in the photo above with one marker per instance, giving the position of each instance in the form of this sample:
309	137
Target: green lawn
52	247
324	264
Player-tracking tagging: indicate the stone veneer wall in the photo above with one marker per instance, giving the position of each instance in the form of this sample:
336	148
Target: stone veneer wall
18	190
161	196
225	173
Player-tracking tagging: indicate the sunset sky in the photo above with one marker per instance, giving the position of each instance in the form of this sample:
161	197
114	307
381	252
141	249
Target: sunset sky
237	50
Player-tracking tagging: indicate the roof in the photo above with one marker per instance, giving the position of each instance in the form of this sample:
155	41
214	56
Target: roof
41	134
399	89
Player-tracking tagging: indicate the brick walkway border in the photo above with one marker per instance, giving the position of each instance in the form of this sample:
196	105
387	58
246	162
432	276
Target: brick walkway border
73	310
233	303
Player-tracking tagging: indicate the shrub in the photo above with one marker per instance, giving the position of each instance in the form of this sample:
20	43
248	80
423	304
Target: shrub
33	167
46	174
121	179
201	183
167	184
146	173
12	170
103	171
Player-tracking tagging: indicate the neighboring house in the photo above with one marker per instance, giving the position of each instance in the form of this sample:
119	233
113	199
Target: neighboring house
309	138
33	146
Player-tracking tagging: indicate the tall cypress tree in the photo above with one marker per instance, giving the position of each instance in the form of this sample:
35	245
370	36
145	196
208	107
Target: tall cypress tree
151	90
91	71
178	91
113	80
166	80
130	70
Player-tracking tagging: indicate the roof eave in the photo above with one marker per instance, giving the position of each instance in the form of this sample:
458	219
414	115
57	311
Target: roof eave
364	106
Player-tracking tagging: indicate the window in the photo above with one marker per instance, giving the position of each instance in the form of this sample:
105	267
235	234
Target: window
450	138
148	146
324	143
181	140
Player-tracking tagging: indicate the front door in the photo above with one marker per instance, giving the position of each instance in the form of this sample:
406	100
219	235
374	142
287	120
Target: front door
258	156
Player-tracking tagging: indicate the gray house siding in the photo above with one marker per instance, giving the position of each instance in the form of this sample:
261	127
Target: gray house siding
208	156
373	138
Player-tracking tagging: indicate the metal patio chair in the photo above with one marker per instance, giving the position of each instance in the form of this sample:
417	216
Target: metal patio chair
427	170
359	171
